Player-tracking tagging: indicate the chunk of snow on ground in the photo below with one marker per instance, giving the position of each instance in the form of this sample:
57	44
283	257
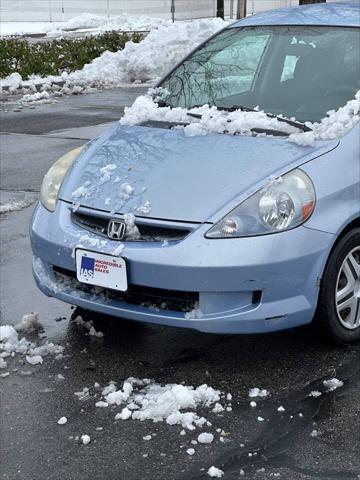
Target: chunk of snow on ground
124	415
260	419
89	326
94	333
190	451
315	394
214	472
281	409
85	439
218	408
333	384
101	404
257	392
3	364
205	437
315	433
34	360
172	403
29	324
253	404
15	206
147	438
62	421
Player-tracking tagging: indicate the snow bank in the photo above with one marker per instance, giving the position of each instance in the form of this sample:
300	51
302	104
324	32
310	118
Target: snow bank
211	120
123	22
173	403
85	21
142	62
148	60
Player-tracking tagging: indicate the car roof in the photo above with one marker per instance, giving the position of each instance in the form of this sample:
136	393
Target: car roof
345	14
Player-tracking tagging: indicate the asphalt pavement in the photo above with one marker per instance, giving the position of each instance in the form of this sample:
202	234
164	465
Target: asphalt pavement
289	364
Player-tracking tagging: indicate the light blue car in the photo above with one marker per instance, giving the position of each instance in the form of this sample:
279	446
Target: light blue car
221	233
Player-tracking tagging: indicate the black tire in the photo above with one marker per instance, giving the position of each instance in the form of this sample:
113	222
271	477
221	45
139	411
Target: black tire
327	317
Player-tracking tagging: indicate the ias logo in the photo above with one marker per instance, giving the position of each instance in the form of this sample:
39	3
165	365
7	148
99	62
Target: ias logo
87	267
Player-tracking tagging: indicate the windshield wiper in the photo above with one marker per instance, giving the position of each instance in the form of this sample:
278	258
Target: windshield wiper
293	123
243	108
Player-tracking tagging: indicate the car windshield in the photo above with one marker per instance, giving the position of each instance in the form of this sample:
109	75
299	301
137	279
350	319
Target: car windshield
295	71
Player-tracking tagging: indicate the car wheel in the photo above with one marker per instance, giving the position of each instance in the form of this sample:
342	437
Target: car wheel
338	312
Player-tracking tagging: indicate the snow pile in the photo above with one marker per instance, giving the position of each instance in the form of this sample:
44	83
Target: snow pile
142	62
123	22
10	344
137	62
15	206
85	21
206	119
173	403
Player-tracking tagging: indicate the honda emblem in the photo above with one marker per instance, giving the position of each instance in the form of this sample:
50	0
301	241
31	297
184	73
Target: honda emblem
116	229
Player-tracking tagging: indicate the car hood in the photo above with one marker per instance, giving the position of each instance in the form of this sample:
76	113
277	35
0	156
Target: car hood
165	174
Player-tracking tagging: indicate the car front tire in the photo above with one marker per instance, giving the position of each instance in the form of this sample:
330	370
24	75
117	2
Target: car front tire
338	312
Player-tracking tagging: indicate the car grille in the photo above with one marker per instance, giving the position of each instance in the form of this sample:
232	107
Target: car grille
148	233
155	298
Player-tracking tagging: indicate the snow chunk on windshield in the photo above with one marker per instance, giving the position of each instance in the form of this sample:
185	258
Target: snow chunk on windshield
209	119
334	126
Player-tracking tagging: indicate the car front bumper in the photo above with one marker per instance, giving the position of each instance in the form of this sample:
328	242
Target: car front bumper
248	285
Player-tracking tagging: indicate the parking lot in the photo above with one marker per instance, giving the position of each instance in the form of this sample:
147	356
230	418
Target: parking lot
310	437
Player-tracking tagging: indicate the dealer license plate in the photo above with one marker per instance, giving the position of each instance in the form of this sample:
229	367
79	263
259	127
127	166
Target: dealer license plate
101	270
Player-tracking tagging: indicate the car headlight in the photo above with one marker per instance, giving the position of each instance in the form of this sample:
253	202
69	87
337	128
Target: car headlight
284	203
53	179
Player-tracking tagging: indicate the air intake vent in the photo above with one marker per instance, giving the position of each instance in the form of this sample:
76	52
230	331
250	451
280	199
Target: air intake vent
148	233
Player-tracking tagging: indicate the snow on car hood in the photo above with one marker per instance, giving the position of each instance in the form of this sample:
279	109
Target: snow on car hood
166	174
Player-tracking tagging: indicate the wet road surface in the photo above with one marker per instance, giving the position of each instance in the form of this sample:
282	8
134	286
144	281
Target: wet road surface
289	364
